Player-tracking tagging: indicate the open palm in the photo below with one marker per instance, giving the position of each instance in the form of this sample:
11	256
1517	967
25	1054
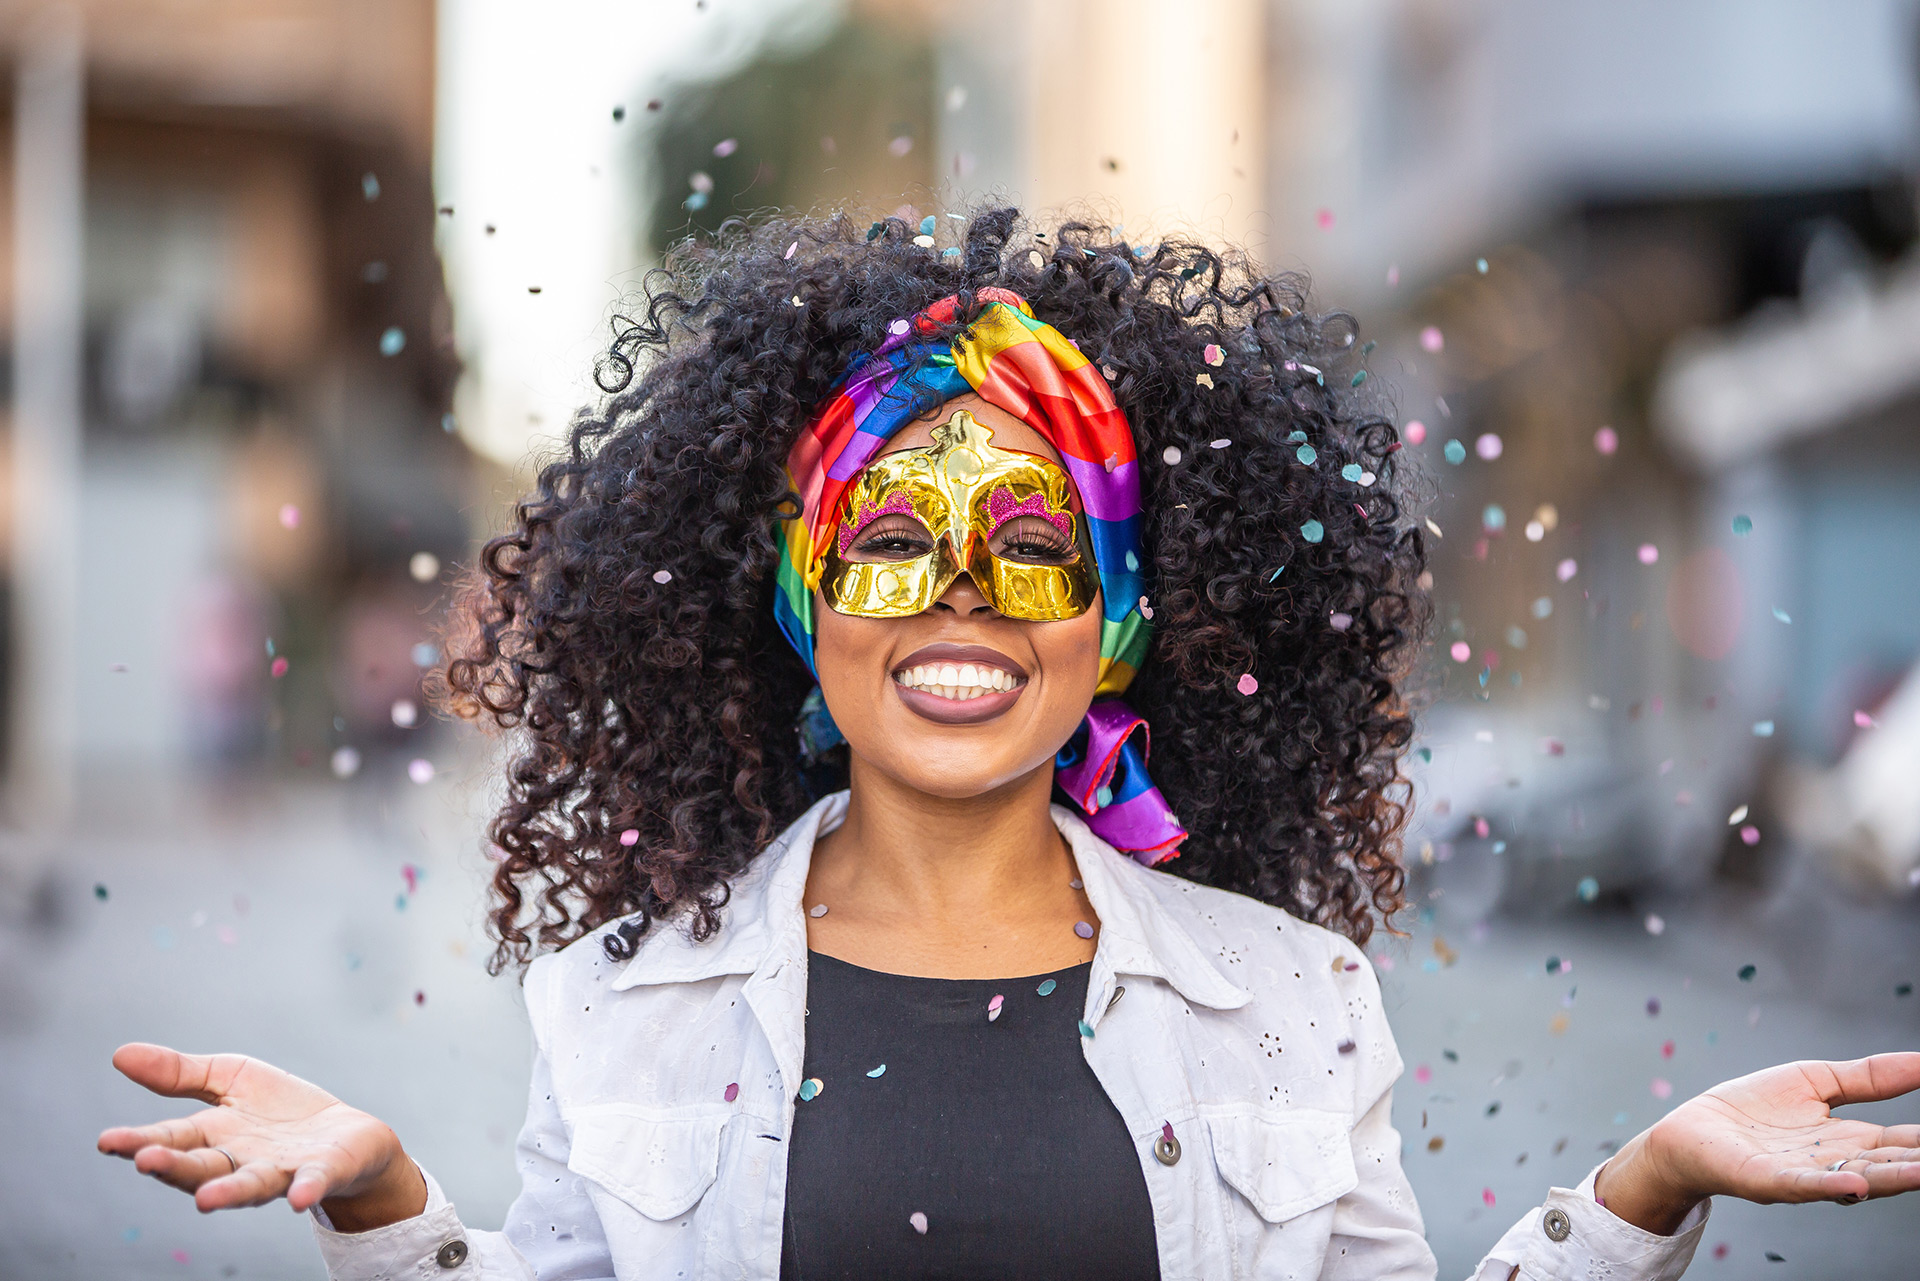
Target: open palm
1771	1136
265	1134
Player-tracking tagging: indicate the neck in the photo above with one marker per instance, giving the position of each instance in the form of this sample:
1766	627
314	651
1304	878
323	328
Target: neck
947	887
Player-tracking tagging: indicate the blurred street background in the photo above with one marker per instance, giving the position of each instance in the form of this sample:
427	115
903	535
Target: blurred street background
294	291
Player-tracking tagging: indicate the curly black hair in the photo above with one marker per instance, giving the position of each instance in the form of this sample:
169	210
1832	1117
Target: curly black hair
623	629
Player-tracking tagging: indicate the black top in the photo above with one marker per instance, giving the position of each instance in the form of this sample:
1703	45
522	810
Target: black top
993	1136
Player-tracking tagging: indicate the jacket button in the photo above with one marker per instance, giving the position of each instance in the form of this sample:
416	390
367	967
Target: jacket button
1166	1149
1556	1225
451	1255
1118	992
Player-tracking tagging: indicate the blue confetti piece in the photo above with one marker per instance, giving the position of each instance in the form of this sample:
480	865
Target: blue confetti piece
882	1069
1306	454
1103	796
1133	563
1480	265
1619	1118
1781	614
1763	729
1743	525
369	186
951	251
810	1089
1455	452
927	224
1494	518
1351	472
1313	531
1046	988
1085	1030
1589	889
393	341
696	200
1295	437
1276	573
1359	378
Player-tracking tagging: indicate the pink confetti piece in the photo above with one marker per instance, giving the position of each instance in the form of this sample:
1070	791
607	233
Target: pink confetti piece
1488	446
180	1256
1481	828
726	147
1666	1047
1166	1131
1863	721
630	837
792	249
1423	1074
1648	553
1566	569
1247	685
289	517
279	667
1415	432
1607	441
1340	622
1749	834
420	770
1324	218
1662	1088
1213	355
1461	651
1486	1195
732	1091
1432	340
411	875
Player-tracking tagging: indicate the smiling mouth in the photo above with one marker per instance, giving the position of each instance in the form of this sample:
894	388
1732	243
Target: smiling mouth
957	682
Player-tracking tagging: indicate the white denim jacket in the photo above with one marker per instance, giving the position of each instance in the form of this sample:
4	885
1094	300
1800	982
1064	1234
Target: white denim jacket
1258	1038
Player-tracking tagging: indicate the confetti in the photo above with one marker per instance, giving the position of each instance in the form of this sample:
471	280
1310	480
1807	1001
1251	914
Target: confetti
181	1256
1566	569
1171	455
289	516
1359	377
919	1222
1352	472
1774	1257
1747	972
1480	265
1460	652
1423	1074
1222	443
1083	929
1661	1087
1494	518
1656	924
1313	531
1589	889
1213	355
1648	553
663	576
404	713
1454	452
726	147
1086	1030
1432	340
1046	987
1433	528
1739	813
370	191
1416	432
1782	614
1247	685
1743	525
1486	1194
1763	729
1306	454
419	998
100	892
1749	835
994	1007
278	667
1323	218
817	911
732	1091
877	1073
424	654
423	567
1345	1047
393	341
1720	1250
900	146
1340	622
1435	1143
345	762
1393	276
1606	440
1666	1047
810	1089
1488	446
1205	380
420	770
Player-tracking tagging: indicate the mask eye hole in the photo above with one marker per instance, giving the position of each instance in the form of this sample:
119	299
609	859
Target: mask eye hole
892	537
1032	540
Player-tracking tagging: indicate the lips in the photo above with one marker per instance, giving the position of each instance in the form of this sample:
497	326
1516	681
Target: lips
958	684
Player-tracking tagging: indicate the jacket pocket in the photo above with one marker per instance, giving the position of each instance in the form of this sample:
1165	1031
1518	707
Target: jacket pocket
660	1163
1284	1163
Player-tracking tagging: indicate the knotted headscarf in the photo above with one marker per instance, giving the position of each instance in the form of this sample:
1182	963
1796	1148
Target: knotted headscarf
1031	371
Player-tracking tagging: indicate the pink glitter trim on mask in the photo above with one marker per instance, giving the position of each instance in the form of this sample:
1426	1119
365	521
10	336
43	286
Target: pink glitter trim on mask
1001	508
895	504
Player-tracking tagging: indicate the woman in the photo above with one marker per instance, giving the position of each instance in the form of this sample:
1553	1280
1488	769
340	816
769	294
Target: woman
941	1024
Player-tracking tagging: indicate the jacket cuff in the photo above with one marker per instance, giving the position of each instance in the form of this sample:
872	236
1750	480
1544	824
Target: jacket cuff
432	1244
1572	1233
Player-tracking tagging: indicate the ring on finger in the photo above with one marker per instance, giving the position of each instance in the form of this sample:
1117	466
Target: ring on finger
1852	1198
230	1161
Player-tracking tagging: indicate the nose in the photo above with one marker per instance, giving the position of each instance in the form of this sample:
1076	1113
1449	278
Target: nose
963	598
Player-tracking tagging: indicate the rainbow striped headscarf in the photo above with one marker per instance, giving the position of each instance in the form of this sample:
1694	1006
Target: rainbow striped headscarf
1033	372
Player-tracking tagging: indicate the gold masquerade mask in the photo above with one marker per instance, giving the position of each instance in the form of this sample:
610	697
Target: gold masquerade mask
913	520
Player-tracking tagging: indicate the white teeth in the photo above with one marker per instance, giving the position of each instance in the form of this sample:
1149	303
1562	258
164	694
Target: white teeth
960	682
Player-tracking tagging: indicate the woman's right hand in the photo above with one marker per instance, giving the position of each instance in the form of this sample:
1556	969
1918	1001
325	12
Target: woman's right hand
265	1134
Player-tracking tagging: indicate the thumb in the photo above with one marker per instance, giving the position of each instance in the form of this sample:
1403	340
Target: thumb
166	1071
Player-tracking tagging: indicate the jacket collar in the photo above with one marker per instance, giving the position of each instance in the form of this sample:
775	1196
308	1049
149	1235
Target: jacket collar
764	925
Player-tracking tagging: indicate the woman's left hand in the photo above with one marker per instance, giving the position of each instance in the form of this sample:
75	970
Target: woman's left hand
1770	1136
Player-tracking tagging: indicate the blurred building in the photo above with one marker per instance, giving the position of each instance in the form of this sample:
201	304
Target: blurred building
231	355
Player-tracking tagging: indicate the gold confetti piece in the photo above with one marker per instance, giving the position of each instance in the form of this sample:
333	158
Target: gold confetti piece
1205	380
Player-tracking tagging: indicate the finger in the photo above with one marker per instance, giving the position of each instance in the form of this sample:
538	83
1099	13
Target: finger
176	1075
1891	1178
184	1170
183	1134
255	1183
314	1182
1868	1080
